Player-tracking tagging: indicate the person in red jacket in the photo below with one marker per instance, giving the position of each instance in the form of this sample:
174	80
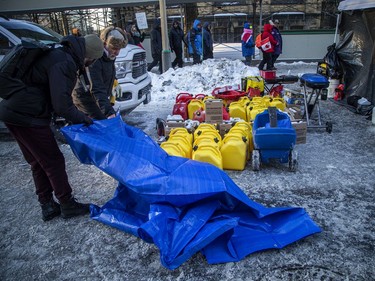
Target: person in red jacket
267	49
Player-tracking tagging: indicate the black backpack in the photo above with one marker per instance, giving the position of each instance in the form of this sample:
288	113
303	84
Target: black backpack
17	63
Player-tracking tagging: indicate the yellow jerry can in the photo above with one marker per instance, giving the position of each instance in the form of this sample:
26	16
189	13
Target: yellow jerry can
208	154
253	111
236	109
184	143
207	132
279	103
207	140
173	149
244	101
183	132
194	105
234	152
249	138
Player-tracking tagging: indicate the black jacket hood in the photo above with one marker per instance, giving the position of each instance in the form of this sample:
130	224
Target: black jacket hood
76	47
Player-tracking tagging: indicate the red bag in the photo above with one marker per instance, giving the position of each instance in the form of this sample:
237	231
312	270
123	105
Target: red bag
277	91
251	92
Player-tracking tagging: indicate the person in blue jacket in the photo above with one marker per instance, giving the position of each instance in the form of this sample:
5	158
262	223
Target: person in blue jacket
247	42
195	42
208	44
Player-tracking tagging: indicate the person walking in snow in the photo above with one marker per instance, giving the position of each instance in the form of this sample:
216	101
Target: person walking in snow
247	42
277	35
176	38
195	42
137	35
267	48
28	113
156	47
208	43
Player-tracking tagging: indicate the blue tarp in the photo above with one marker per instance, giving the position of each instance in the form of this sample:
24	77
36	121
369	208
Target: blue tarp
181	205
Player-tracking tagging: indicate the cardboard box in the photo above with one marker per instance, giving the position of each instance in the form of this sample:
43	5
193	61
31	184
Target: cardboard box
295	112
301	131
292	94
173	124
214	111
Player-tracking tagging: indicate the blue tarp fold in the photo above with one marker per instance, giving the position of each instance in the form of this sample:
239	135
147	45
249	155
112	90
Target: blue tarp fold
180	205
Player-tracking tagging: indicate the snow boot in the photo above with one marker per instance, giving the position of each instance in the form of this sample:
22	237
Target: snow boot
50	210
72	208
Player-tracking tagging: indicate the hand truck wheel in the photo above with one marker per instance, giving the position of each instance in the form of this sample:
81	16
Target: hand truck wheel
329	127
255	160
293	162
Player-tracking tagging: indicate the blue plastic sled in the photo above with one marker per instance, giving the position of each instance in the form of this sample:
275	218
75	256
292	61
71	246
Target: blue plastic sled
273	142
181	205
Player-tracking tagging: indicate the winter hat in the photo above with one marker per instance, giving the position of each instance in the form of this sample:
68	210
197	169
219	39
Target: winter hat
114	37
94	47
246	25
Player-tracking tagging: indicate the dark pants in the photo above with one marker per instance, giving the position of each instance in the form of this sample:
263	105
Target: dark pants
208	55
248	60
274	58
267	58
40	150
196	58
178	60
156	60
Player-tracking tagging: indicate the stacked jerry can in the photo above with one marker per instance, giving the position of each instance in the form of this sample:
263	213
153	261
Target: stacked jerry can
232	146
179	143
236	147
259	104
237	109
206	146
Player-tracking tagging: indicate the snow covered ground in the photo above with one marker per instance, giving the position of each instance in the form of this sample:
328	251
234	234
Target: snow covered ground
334	183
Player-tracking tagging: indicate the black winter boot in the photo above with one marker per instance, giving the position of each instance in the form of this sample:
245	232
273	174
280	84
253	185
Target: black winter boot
72	208
50	210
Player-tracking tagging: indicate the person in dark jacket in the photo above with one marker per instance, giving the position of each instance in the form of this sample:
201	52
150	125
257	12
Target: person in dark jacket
267	52
176	38
94	98
137	35
277	35
208	43
195	42
128	31
156	46
247	43
27	115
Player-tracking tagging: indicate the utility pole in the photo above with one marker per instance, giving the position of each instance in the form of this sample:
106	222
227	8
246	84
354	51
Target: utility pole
260	16
166	54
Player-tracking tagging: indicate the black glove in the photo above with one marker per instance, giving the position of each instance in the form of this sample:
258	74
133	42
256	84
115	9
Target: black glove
88	121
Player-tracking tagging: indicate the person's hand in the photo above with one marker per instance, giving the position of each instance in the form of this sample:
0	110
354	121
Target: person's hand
88	121
111	116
